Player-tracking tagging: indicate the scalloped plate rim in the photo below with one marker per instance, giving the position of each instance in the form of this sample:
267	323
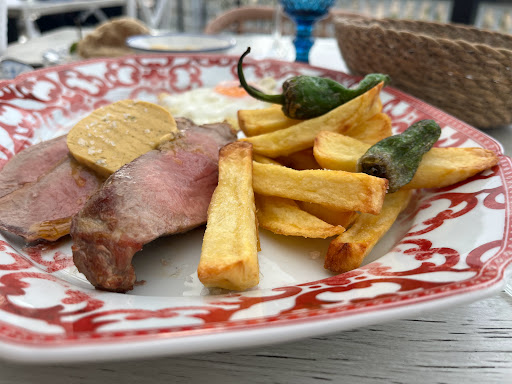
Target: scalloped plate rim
194	341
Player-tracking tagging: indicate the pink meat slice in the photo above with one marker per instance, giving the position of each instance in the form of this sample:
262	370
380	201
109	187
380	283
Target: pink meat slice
42	210
163	192
31	163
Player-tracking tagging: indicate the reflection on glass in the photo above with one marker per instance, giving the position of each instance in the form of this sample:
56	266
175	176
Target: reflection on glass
278	50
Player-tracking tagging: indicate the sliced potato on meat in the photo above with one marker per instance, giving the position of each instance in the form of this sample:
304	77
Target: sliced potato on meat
229	254
114	135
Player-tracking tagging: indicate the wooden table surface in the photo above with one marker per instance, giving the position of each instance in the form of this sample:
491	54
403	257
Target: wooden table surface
465	344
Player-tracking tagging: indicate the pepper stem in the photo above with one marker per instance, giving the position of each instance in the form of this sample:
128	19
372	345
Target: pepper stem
274	99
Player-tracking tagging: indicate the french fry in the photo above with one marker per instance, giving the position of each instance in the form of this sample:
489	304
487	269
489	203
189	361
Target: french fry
259	121
300	160
329	215
264	159
441	167
341	190
438	168
372	130
229	254
302	135
347	251
284	217
335	151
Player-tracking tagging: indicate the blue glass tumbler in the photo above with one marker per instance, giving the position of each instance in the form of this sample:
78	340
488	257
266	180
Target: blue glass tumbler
305	13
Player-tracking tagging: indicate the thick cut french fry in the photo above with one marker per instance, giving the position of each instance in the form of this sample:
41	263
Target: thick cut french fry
372	130
284	217
302	135
347	251
329	215
300	160
229	255
259	121
441	167
341	190
438	168
264	159
335	151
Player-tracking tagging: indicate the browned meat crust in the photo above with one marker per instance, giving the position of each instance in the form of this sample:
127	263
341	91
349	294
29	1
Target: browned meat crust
165	191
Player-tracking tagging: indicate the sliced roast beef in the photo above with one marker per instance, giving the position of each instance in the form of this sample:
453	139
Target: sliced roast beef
43	209
31	163
162	192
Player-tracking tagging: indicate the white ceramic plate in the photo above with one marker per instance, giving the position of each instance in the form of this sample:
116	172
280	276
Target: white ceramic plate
179	43
451	245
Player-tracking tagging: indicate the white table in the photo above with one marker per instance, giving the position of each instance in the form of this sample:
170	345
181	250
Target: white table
470	343
27	11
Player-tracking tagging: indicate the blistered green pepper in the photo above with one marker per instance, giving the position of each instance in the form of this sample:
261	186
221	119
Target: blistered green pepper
397	157
73	47
305	97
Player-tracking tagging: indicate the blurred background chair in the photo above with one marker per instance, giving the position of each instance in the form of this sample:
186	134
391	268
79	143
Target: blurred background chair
249	19
154	13
262	20
196	15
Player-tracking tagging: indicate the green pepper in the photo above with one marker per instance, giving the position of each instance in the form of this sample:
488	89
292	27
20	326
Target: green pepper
73	47
305	97
397	157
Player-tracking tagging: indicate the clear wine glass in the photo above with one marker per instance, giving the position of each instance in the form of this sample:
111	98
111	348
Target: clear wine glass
305	13
278	50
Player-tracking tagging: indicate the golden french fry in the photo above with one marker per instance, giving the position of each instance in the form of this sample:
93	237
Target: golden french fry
300	160
229	254
284	217
335	151
347	251
264	159
441	167
438	168
301	136
372	130
258	121
328	214
341	190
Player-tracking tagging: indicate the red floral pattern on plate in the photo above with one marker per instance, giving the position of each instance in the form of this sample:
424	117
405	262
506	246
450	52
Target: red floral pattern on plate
452	241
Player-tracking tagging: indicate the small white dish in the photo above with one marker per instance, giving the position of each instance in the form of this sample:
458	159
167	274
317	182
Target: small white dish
179	43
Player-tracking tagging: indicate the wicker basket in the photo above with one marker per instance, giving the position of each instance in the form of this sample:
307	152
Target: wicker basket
462	70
